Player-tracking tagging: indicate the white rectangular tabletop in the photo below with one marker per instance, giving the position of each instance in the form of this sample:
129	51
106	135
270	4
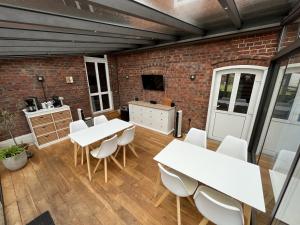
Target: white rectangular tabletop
95	133
236	178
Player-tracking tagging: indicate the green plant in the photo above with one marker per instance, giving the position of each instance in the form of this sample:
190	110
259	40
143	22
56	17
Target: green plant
7	122
10	151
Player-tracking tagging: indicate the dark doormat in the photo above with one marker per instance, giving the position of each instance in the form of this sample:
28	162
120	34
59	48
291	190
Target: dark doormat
43	219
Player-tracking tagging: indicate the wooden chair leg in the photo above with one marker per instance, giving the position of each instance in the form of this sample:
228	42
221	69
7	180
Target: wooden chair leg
247	214
82	156
204	221
75	154
124	156
98	163
133	150
178	210
105	169
157	183
118	149
191	201
162	197
116	162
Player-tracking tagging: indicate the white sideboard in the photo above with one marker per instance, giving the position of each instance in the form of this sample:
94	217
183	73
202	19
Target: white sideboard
152	116
49	126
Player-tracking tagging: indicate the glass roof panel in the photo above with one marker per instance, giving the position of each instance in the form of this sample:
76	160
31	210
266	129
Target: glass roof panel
256	9
86	9
202	13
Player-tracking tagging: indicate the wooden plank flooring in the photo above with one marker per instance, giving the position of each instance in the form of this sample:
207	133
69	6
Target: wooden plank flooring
51	182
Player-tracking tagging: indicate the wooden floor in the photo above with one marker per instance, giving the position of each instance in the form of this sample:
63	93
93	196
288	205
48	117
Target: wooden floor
51	182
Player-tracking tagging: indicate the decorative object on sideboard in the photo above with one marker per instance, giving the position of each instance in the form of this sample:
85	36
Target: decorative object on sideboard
136	98
69	80
192	77
41	80
32	104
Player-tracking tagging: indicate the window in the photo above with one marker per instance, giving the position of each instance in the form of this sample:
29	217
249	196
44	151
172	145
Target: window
98	82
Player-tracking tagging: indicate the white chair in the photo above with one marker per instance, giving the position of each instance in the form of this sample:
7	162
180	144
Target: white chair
99	119
126	139
106	150
234	147
284	161
74	127
218	207
196	137
179	184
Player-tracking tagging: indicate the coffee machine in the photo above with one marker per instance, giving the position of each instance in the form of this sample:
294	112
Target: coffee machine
57	101
32	104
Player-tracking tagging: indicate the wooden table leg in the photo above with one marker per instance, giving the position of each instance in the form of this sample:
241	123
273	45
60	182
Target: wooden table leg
75	154
157	183
87	152
178	210
247	214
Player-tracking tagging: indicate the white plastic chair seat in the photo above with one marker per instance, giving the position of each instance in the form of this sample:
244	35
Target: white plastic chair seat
234	147
190	184
284	161
196	137
99	120
218	207
107	148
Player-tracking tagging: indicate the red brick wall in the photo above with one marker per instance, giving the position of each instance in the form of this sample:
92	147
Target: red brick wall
178	63
18	81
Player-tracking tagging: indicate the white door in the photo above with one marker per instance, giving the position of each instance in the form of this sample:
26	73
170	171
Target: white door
98	83
235	97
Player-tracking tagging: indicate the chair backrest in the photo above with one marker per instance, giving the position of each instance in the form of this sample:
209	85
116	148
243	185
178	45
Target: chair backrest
217	207
234	147
99	119
196	137
77	126
127	136
172	182
284	161
108	146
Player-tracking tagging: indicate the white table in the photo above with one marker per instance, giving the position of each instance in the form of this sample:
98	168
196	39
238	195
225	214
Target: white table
288	211
236	178
88	136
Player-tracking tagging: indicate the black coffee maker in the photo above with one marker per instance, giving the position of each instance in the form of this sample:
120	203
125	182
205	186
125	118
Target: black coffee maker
56	101
32	104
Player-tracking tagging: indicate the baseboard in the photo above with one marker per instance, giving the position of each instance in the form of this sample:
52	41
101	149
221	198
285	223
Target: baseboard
26	138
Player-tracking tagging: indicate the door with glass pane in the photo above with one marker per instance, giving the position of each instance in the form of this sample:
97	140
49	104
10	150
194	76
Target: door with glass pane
235	97
98	82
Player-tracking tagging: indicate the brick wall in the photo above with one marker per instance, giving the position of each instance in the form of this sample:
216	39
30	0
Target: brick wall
18	81
178	63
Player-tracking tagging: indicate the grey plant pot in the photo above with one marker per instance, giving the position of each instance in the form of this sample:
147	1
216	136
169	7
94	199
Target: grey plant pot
15	162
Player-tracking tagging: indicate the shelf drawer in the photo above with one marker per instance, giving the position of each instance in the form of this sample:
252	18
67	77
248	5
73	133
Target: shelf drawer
47	138
63	124
39	120
63	133
61	115
40	130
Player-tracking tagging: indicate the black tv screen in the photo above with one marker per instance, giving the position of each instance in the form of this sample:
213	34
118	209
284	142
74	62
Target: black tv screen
153	82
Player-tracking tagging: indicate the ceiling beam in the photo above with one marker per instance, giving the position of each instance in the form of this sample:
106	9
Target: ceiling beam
292	16
230	8
55	49
49	19
47	53
34	43
53	36
142	11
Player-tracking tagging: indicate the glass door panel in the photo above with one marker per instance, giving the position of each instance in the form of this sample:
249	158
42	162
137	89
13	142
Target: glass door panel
244	93
225	91
96	103
92	77
102	77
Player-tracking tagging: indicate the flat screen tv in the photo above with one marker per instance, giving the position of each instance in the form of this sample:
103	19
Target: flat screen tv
153	82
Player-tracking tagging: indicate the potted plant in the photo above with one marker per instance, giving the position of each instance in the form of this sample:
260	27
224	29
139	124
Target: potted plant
13	157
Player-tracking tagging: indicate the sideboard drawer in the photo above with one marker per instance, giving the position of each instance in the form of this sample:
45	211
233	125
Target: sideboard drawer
47	138
44	129
63	124
39	120
63	133
61	115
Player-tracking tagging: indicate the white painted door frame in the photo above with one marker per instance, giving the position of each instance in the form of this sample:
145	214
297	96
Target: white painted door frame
99	93
215	85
